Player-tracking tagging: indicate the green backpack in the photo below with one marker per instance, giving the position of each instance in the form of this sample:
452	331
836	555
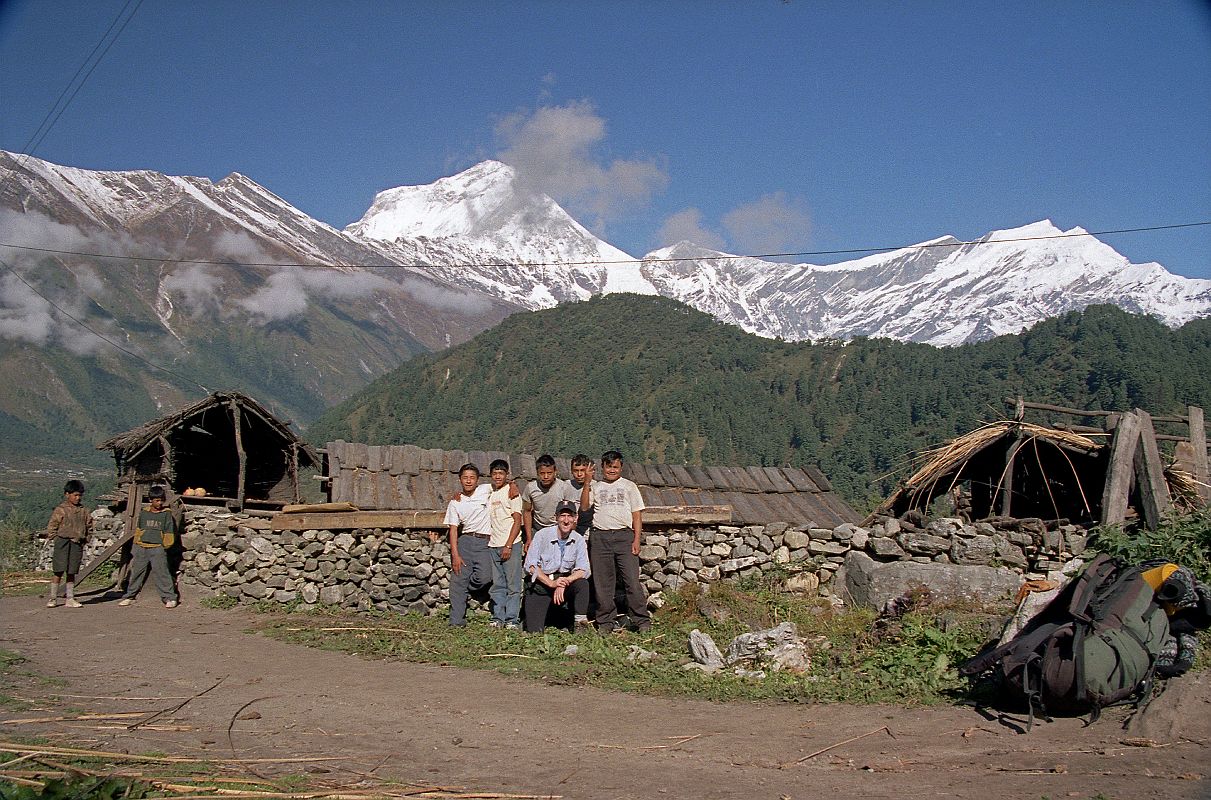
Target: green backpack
1094	645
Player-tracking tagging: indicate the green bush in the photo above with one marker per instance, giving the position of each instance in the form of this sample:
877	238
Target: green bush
1184	540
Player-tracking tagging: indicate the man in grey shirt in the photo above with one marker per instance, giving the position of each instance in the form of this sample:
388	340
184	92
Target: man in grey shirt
541	497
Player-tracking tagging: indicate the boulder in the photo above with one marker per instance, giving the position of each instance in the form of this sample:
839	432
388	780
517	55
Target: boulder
872	583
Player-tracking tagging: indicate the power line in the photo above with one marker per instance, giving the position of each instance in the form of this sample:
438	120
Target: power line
60	105
97	333
604	263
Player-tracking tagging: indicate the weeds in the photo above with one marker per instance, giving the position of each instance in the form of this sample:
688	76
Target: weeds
1184	540
855	657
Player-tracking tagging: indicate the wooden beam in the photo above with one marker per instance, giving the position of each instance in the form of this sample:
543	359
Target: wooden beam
686	515
1013	402
1006	483
1150	475
1120	469
1198	439
134	498
237	423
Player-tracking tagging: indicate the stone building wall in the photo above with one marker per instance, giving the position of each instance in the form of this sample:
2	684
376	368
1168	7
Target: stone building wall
237	555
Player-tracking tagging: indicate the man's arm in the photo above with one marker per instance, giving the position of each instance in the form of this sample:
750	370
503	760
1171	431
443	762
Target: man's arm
637	526
456	563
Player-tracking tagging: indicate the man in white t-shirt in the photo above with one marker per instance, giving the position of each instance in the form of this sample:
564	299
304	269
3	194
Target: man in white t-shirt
614	545
469	532
504	516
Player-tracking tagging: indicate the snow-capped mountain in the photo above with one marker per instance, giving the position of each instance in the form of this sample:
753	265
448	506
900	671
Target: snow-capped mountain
227	284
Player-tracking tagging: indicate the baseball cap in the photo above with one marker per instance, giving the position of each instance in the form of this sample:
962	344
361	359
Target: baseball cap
565	507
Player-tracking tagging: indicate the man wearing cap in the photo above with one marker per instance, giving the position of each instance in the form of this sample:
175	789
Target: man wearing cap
558	566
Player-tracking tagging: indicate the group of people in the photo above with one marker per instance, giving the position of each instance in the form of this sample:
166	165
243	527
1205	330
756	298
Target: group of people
155	532
562	545
557	548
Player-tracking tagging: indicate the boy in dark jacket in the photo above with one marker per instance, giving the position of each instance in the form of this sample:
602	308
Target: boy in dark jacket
70	524
155	533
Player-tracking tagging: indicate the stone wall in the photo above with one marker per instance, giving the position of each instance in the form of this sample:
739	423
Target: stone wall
237	555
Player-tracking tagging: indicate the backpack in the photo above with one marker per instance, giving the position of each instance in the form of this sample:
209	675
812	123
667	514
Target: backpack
1094	645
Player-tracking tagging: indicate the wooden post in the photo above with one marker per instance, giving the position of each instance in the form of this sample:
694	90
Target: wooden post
134	499
237	423
1150	475
1006	484
170	469
1198	439
1120	468
294	470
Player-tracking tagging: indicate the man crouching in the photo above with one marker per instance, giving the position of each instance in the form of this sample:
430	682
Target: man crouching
558	564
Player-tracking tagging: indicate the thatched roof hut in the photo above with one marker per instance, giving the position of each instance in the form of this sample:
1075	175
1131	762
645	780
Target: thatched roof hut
228	444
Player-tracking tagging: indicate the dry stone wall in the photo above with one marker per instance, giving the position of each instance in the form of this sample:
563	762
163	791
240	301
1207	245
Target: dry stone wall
237	555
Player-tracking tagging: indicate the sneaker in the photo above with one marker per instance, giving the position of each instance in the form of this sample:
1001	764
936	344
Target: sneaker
73	603
51	603
583	625
496	624
512	626
125	601
171	604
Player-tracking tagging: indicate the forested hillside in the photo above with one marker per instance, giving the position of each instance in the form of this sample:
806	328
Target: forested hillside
663	382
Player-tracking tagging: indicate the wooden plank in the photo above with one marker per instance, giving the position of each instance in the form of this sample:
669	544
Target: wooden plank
1198	440
699	476
668	475
818	478
758	476
681	475
563	467
1013	402
687	515
799	479
739	480
1120	469
480	459
412	458
652	473
452	460
526	468
374	457
719	477
395	460
401	494
778	479
432	461
1150	475
349	520
357	455
634	472
1005	485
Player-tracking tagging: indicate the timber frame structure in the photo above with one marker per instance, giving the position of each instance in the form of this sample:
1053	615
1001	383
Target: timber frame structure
227	443
1082	473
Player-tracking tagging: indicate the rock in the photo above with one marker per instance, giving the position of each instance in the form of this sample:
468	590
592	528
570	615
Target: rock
859	539
782	555
332	595
261	545
884	548
707	574
794	539
759	644
806	583
255	589
976	550
1075	543
872	583
737	564
704	650
636	654
924	544
651	552
691	562
571	650
828	548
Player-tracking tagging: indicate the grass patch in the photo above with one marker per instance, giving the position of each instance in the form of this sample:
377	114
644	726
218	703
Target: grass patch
855	657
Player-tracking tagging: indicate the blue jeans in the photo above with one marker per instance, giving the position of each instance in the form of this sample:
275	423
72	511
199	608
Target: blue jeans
506	585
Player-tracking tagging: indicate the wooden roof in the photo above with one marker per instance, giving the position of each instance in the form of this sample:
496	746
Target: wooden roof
413	478
126	446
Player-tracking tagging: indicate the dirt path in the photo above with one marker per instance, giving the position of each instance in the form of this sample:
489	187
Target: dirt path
482	730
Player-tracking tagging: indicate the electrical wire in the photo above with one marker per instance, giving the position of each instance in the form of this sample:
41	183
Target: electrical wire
60	105
600	263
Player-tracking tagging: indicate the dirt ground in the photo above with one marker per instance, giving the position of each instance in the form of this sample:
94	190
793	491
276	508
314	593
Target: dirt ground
484	731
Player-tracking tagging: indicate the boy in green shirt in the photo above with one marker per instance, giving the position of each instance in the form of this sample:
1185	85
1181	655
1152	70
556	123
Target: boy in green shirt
155	533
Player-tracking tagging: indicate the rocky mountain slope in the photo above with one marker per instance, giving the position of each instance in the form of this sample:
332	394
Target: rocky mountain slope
225	285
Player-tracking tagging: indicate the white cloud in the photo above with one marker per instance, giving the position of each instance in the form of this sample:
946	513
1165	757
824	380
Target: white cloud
686	226
24	315
554	149
197	285
287	292
773	223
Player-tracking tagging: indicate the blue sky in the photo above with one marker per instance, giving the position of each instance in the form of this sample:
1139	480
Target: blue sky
757	126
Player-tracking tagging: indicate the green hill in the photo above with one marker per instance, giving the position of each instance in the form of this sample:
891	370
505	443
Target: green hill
663	382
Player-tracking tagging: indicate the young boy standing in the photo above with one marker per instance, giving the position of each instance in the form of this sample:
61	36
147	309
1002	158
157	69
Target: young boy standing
504	514
614	545
155	532
70	524
470	561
